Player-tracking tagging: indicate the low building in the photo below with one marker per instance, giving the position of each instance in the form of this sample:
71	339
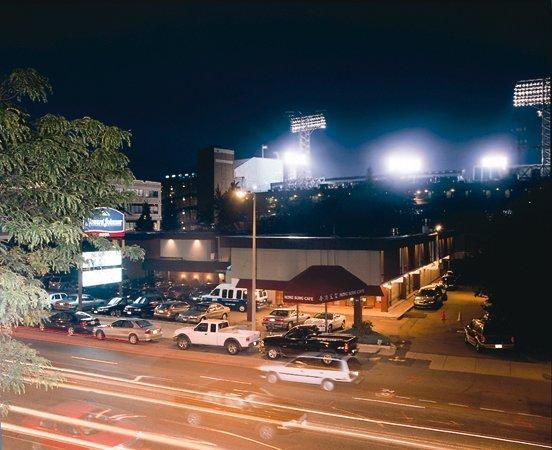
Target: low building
146	192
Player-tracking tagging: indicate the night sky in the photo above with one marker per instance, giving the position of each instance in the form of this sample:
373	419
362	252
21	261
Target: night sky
434	76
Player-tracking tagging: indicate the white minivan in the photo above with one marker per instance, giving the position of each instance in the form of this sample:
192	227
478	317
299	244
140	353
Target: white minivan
235	298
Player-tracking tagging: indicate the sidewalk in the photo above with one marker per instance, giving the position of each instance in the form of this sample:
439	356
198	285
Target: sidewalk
396	311
485	366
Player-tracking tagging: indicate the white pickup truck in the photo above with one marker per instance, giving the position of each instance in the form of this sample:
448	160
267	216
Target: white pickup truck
216	333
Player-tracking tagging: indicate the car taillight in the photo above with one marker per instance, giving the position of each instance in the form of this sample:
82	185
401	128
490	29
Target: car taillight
346	347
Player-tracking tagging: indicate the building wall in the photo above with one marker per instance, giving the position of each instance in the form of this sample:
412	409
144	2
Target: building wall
284	264
188	249
180	202
148	192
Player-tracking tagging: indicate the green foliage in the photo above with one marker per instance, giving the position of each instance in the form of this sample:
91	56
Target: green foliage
53	172
145	222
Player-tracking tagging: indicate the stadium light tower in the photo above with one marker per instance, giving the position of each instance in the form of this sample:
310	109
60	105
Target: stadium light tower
305	125
536	93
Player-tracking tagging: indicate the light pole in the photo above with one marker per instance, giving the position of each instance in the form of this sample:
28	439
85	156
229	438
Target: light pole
252	298
438	228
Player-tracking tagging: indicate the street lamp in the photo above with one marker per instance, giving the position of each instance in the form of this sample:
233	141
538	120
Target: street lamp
252	298
438	229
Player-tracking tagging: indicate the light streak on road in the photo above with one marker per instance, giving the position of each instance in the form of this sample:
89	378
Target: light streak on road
95	360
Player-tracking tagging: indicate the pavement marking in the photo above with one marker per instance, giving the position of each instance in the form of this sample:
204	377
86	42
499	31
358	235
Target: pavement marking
492	409
139	378
224	379
459	404
390	403
95	360
306	410
532	415
401	396
427	401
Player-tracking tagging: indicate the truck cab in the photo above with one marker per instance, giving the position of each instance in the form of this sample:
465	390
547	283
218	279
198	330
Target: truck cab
235	298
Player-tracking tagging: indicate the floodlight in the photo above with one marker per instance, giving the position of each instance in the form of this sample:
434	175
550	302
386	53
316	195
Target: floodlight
292	158
532	92
495	162
300	124
241	194
404	164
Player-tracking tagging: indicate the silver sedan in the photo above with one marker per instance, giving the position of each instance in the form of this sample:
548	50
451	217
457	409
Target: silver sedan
131	330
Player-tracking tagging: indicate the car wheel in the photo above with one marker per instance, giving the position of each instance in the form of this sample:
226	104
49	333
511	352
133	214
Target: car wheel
41	327
224	316
327	358
328	385
266	432
272	353
272	378
71	331
478	347
232	347
113	313
133	339
242	308
183	343
100	335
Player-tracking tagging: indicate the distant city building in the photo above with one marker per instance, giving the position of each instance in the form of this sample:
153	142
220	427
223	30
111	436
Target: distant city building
180	201
146	192
257	174
215	171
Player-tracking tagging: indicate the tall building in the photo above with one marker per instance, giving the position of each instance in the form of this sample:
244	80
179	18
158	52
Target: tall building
180	202
146	192
215	171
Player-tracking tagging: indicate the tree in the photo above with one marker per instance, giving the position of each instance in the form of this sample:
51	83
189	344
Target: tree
145	222
53	172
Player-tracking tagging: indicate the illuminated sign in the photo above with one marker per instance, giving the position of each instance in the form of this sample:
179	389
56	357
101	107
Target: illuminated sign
95	260
102	276
105	222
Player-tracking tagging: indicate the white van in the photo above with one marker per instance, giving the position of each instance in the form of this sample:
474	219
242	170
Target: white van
235	298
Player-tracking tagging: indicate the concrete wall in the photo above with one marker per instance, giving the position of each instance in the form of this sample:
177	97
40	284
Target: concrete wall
188	249
283	265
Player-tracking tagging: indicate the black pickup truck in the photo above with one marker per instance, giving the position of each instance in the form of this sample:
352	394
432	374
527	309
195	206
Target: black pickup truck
307	338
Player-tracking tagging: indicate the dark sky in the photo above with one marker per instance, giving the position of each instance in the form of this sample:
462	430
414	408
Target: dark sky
436	76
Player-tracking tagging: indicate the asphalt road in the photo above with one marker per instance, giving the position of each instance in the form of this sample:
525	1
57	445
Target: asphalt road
207	399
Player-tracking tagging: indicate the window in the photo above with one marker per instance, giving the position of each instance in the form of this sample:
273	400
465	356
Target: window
127	324
117	324
230	293
224	293
238	294
213	328
202	327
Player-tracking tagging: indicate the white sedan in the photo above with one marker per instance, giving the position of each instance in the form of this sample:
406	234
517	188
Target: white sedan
335	321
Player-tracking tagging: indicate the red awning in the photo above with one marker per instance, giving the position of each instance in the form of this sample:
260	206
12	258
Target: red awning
271	285
321	284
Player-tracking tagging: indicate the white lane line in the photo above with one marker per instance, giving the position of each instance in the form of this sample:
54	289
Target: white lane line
378	422
95	360
390	403
492	409
223	379
427	401
400	396
140	377
459	404
532	415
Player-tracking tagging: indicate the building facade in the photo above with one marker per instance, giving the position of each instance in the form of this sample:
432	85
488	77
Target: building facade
215	171
146	192
179	202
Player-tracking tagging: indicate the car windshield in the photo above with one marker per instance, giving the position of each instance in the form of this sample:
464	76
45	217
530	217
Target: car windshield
140	301
144	323
428	292
321	316
280	313
72	298
114	301
200	308
82	315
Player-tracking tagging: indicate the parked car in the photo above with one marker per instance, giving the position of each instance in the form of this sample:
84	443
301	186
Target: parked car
143	306
70	321
489	333
313	368
335	321
217	333
307	338
202	311
171	309
450	281
178	292
55	297
429	297
114	307
131	330
85	411
235	298
199	291
71	302
442	288
283	319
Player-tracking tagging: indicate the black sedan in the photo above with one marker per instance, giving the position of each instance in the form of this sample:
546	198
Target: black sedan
114	308
70	321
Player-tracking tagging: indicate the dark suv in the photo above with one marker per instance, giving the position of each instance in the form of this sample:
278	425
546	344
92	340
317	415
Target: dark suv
143	306
489	333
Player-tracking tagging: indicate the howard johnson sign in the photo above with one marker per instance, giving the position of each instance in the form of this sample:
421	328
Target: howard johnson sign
105	222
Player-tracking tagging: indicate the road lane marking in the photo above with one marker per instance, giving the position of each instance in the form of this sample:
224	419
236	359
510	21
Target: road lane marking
223	379
532	415
492	409
388	402
401	396
312	411
95	360
139	378
459	404
427	401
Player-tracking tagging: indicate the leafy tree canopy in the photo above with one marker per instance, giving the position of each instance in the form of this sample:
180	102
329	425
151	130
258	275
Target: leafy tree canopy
53	172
